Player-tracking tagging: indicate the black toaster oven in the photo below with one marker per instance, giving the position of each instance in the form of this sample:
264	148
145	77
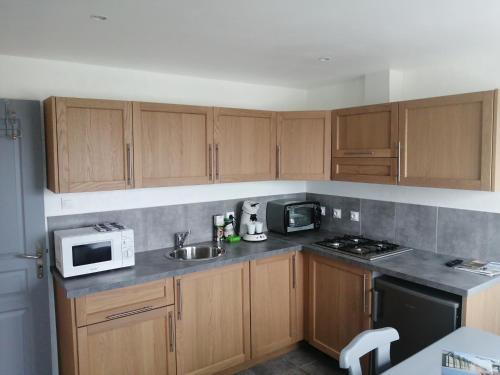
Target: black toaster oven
287	216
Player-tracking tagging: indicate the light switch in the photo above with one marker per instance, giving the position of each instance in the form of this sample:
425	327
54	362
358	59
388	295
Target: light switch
337	213
354	216
323	210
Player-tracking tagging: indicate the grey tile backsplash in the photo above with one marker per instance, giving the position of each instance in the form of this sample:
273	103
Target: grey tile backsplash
154	227
460	233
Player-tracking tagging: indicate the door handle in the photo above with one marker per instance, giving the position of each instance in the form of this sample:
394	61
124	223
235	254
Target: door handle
359	153
217	161
179	300
294	275
210	163
129	164
399	161
364	293
278	161
38	257
170	332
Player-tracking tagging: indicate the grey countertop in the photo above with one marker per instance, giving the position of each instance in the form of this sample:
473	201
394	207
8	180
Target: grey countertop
422	267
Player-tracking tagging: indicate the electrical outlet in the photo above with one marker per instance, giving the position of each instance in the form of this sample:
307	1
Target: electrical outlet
337	213
67	204
323	210
354	216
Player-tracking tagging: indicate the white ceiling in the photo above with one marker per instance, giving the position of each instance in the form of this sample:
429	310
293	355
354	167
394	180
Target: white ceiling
274	42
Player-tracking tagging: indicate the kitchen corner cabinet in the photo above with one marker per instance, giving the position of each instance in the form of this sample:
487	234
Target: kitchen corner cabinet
449	142
276	303
304	145
213	319
89	144
339	303
244	145
172	144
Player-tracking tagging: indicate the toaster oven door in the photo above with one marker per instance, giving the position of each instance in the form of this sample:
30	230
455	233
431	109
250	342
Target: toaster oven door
301	217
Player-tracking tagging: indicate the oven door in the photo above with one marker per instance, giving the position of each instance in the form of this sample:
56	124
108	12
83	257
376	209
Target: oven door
83	256
301	217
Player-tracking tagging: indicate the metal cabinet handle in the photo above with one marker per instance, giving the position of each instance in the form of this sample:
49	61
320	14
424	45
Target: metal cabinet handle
129	313
170	332
399	161
364	293
278	161
294	275
217	161
179	300
129	164
210	163
359	153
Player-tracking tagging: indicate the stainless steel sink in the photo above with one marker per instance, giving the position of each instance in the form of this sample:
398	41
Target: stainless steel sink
196	253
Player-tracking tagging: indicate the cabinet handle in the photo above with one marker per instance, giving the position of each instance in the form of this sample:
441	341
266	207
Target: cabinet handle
179	300
210	163
399	161
359	153
129	165
364	293
217	161
130	312
294	275
170	332
278	161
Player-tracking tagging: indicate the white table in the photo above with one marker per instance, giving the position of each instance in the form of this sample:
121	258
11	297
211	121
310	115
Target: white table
428	361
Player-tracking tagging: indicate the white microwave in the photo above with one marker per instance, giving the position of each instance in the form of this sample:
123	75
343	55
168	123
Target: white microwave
86	250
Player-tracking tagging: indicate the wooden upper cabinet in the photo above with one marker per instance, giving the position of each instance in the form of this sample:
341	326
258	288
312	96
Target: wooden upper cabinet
245	144
275	311
339	303
447	142
370	131
304	145
213	319
89	144
172	144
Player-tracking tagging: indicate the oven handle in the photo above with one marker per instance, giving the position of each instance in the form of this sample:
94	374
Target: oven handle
377	304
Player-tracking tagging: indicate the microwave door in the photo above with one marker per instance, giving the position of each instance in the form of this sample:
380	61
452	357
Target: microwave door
92	253
300	218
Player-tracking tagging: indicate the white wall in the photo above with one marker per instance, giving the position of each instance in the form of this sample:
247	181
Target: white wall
26	78
340	95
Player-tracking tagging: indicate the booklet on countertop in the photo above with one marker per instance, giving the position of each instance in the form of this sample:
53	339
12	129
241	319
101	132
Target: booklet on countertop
482	268
460	363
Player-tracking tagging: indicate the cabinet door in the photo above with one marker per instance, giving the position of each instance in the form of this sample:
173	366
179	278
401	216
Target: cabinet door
446	142
245	145
339	304
304	145
94	145
274	303
370	131
213	320
172	144
142	344
371	170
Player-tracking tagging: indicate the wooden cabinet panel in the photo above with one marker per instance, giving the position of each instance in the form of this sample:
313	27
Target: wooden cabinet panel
172	144
447	142
141	344
213	319
274	303
245	145
370	131
339	303
115	303
304	145
371	170
94	144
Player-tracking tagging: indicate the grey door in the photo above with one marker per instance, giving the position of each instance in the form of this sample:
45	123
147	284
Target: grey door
24	302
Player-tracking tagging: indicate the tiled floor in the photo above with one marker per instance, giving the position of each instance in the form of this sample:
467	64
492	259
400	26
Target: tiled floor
303	361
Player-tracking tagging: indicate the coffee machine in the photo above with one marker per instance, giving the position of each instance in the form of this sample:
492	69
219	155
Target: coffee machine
249	216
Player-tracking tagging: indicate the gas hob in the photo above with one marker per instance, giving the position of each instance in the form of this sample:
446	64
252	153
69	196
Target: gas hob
361	247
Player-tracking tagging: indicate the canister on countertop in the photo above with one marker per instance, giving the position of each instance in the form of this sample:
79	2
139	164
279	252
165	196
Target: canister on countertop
218	228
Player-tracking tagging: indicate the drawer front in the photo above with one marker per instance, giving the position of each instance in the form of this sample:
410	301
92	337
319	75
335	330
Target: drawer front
371	170
122	302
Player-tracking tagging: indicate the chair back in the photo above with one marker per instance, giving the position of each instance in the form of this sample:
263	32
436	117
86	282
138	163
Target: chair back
375	339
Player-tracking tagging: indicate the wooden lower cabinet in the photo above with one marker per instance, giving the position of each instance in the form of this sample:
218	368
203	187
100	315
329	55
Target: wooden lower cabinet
141	344
213	319
276	285
339	303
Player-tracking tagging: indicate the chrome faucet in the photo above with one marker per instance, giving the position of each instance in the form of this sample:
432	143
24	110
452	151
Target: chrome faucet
180	238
